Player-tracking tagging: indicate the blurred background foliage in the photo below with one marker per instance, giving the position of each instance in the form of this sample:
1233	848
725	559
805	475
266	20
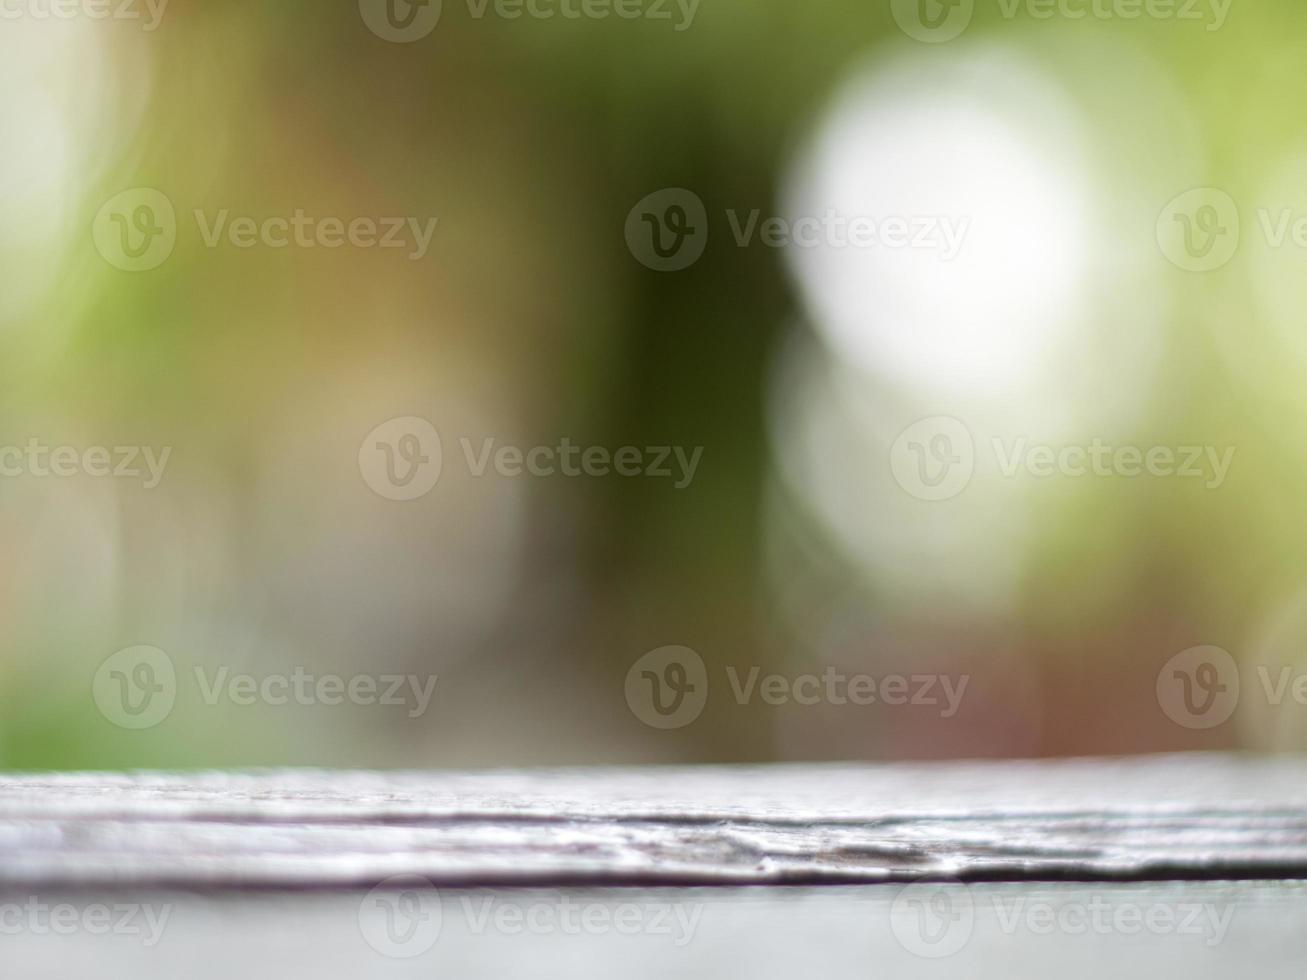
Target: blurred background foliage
530	320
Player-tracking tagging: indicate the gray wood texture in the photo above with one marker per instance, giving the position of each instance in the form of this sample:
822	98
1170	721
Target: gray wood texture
1189	816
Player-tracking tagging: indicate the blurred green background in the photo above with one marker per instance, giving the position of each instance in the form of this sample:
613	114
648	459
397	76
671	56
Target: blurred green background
531	319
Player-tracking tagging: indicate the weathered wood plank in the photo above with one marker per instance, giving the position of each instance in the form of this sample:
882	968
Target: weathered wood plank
1161	817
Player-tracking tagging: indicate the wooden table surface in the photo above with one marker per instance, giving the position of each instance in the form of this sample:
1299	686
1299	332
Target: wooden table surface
1172	816
1088	867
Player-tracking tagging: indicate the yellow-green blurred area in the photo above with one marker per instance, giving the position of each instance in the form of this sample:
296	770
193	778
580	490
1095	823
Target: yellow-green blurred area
1059	140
